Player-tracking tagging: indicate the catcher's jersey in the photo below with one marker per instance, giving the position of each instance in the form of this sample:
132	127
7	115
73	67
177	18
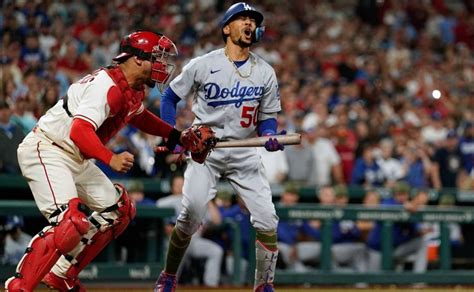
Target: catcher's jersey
228	102
88	99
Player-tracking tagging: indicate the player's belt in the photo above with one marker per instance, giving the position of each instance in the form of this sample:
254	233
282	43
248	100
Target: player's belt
37	129
65	107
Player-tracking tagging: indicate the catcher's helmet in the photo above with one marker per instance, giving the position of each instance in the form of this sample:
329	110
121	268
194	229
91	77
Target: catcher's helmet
243	8
153	47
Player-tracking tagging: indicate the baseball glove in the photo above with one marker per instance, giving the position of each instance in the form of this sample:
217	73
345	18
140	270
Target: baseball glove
202	140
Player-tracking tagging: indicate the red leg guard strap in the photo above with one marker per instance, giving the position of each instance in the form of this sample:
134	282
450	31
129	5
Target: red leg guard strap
101	239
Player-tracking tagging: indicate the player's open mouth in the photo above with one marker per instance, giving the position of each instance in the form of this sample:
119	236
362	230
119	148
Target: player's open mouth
248	32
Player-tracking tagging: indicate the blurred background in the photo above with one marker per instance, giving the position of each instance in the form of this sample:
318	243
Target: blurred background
382	92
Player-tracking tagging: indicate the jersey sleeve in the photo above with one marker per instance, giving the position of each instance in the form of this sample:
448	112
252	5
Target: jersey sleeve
96	104
183	84
271	97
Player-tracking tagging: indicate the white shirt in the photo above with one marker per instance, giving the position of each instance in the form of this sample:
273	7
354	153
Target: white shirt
325	157
274	164
392	168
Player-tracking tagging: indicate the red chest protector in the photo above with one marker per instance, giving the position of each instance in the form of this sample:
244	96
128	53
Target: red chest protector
133	100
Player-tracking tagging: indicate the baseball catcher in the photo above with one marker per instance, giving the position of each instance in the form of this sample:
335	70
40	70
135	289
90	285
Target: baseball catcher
85	209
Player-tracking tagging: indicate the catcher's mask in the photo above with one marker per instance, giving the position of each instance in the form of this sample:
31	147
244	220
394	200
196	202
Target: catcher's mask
243	8
153	47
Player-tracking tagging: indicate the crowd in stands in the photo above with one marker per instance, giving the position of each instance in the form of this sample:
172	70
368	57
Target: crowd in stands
381	91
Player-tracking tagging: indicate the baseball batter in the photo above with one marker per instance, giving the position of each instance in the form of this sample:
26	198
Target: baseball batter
85	209
236	93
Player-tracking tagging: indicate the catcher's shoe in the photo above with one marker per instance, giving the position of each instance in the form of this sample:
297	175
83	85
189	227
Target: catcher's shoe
265	288
165	283
55	282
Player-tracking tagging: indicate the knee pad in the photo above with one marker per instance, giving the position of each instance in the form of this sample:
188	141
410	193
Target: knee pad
72	227
126	211
265	221
187	223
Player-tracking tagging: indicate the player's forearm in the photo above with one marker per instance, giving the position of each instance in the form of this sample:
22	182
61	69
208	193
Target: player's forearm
169	100
151	124
85	138
267	127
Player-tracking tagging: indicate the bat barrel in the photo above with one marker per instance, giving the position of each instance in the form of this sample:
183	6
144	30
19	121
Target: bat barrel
289	139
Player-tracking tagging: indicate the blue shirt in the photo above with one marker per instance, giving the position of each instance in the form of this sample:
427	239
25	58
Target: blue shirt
401	232
345	231
365	173
466	145
242	218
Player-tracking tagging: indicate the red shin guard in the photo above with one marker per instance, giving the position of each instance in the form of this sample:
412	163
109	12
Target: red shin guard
46	247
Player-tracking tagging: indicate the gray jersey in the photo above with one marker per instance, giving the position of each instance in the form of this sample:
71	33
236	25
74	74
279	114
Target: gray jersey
224	100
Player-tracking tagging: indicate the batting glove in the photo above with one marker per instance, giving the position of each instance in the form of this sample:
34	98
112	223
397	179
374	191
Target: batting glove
273	145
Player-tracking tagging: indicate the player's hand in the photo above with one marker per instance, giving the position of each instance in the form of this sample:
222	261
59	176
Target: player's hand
272	144
122	162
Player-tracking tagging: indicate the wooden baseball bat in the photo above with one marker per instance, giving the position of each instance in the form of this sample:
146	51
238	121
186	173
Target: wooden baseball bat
288	139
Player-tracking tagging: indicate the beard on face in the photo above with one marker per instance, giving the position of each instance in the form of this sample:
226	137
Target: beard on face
243	43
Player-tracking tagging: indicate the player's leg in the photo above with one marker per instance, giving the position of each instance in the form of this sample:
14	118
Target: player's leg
417	247
285	251
247	177
49	174
46	248
229	266
308	251
113	211
352	253
213	253
199	188
375	260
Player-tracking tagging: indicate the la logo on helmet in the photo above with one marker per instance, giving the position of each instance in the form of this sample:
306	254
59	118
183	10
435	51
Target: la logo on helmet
247	7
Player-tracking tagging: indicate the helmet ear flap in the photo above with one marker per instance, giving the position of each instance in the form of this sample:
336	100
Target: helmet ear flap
258	34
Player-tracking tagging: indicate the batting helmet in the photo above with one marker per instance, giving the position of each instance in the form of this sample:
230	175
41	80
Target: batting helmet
150	46
243	8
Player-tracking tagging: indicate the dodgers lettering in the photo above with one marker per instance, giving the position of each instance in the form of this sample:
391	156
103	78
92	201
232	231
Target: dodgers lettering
237	94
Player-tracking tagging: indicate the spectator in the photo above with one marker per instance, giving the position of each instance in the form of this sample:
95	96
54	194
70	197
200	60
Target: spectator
309	249
447	164
23	115
371	200
300	160
31	57
435	131
346	151
466	146
275	165
455	234
327	163
391	167
347	248
16	240
11	136
407	236
72	63
367	171
239	213
290	232
417	165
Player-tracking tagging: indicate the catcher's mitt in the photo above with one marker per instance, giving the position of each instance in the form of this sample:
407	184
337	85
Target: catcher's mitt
199	140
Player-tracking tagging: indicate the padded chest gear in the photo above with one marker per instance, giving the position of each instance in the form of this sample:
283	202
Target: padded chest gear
133	100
